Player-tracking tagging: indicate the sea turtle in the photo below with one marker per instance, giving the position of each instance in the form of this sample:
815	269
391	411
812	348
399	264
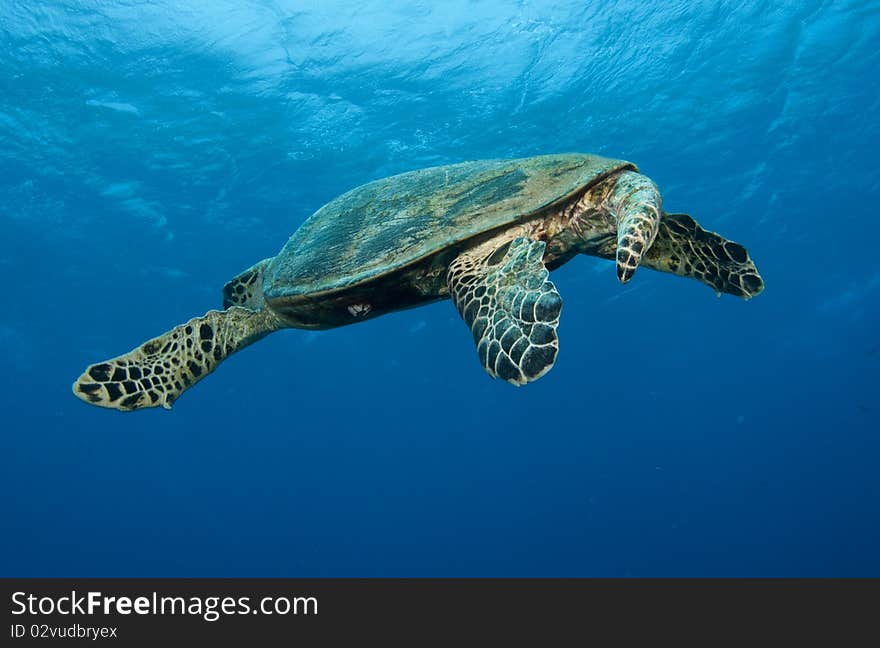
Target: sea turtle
483	233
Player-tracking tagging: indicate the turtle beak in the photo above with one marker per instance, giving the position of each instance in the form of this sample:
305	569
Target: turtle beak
632	243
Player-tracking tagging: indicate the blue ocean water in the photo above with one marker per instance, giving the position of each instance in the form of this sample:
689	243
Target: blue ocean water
149	151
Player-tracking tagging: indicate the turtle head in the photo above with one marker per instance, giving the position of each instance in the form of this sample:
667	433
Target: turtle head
635	204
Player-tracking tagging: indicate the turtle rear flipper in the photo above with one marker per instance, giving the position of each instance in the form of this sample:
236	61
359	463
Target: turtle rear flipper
684	248
160	370
246	288
513	309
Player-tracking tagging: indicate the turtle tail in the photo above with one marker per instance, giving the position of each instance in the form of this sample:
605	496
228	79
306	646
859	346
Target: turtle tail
684	248
158	371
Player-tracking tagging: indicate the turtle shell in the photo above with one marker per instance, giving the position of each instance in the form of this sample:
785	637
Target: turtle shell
388	224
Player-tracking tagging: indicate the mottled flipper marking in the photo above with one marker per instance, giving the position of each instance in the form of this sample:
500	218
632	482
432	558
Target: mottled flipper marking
158	371
684	248
245	289
513	309
636	202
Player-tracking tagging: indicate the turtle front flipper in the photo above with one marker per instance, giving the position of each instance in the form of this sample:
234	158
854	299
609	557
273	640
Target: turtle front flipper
160	370
511	306
684	248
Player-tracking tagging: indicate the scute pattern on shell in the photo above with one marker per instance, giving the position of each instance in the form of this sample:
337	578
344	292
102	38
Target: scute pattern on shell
390	223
